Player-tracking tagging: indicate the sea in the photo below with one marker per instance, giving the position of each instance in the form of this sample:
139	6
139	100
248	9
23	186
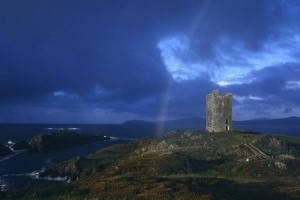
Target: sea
21	169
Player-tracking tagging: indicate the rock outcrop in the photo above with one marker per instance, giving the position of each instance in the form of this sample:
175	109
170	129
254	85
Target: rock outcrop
21	145
48	142
71	169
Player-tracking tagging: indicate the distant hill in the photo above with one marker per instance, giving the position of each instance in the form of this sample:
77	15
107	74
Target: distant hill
282	121
199	122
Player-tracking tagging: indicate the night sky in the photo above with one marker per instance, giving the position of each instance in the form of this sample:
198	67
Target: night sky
108	61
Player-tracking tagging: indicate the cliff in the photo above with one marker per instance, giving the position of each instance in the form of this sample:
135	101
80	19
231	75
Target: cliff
61	140
71	169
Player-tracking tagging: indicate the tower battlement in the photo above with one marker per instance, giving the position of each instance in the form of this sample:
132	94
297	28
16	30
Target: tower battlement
218	112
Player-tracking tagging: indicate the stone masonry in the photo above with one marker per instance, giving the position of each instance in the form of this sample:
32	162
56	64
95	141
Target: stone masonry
218	112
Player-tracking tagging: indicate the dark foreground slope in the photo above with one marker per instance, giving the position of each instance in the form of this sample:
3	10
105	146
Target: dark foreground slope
181	165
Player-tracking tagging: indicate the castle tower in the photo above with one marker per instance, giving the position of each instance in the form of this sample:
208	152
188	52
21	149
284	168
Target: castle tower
218	112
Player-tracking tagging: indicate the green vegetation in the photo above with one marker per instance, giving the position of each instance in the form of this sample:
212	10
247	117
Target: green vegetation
181	165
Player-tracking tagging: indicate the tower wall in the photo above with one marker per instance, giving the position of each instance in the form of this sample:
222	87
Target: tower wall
218	112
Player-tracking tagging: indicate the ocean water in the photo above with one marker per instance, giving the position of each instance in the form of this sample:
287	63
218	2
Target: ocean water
21	169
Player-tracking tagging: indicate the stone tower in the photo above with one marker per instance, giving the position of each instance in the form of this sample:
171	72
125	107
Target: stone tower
218	112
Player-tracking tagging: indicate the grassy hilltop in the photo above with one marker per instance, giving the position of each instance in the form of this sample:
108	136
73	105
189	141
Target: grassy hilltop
182	165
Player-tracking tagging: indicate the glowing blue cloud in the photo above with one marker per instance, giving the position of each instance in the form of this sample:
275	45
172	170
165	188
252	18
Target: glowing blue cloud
59	93
176	53
233	62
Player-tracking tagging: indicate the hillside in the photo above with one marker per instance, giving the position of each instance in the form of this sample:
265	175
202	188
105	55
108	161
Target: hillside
181	165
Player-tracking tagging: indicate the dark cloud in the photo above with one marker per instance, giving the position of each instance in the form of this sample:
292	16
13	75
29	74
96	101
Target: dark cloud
273	80
246	23
273	91
60	59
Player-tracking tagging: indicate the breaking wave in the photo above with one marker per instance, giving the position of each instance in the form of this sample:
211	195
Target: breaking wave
36	175
62	129
3	185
